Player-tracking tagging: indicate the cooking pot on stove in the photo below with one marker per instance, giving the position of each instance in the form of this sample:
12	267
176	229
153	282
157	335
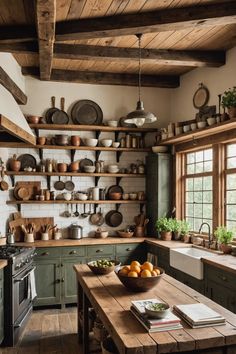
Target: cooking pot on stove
75	231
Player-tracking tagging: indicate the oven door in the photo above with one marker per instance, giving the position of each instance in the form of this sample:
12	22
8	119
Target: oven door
22	292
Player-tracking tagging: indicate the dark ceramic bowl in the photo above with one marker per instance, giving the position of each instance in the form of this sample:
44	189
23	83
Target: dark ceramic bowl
139	284
103	270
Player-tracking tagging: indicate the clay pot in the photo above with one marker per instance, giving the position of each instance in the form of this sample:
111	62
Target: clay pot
33	119
166	235
41	140
74	166
62	167
75	140
61	139
14	164
232	112
227	249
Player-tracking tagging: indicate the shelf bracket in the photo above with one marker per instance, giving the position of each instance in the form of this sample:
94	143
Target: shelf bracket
97	178
36	132
41	154
116	136
48	182
117	207
141	208
12	177
97	134
118	179
72	155
95	208
97	154
118	155
19	207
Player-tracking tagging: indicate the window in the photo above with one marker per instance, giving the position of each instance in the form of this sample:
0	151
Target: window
198	187
230	187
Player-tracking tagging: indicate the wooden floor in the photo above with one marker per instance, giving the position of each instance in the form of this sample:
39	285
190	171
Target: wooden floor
50	332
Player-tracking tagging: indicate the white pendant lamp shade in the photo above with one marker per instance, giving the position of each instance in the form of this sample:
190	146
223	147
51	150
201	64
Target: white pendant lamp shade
139	116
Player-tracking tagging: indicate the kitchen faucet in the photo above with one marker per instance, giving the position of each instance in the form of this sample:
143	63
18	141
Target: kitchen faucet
210	240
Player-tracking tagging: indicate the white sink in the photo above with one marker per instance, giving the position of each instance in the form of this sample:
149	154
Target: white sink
188	260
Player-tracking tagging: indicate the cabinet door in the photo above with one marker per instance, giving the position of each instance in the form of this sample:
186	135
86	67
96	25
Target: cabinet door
48	279
1	306
126	253
69	284
158	188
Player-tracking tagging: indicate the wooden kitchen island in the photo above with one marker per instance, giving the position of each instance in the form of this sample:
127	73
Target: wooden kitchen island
111	301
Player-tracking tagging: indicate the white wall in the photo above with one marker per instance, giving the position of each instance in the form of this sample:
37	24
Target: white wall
12	68
217	81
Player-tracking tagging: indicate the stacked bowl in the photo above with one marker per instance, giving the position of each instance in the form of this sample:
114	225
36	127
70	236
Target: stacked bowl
112	169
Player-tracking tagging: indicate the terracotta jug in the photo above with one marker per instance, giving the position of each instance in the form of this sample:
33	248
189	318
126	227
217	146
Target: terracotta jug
75	140
14	164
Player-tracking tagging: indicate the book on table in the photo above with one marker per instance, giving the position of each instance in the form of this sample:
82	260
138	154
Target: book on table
199	315
154	324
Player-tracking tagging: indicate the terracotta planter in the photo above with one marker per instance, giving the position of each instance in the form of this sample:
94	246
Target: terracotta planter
227	249
176	236
166	235
232	112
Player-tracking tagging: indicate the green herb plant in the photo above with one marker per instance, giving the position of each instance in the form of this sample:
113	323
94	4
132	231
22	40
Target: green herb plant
223	235
164	224
229	98
185	227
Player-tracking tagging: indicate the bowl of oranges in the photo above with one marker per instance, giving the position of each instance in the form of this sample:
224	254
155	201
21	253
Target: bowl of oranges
139	277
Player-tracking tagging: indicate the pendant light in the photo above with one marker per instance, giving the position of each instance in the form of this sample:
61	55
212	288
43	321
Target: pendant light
140	116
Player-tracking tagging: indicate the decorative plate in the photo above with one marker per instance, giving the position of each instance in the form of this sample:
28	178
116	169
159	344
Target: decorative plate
27	160
83	163
86	112
201	97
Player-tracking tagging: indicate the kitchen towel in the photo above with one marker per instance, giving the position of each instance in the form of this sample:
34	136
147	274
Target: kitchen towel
33	293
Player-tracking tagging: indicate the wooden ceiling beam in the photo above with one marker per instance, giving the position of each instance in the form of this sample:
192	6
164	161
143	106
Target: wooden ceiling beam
11	86
17	33
46	18
194	58
105	78
171	19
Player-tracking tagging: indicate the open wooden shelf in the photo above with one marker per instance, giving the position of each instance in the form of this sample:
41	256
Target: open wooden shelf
75	174
199	133
120	201
102	128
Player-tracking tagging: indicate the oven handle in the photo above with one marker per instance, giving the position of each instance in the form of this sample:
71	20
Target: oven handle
25	276
17	325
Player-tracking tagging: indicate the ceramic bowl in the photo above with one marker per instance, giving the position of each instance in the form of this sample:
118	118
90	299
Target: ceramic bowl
193	126
81	196
159	310
112	123
67	196
115	144
90	142
89	169
125	234
33	119
103	270
139	284
186	128
125	196
101	234
133	196
201	125
106	142
211	120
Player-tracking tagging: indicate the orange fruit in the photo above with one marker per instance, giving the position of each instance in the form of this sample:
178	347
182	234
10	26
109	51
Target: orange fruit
135	263
135	268
146	273
127	267
157	271
132	274
147	265
123	271
154	274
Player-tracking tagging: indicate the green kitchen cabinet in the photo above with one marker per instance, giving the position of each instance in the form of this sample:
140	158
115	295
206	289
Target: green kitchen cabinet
1	305
48	281
68	280
126	253
158	188
220	286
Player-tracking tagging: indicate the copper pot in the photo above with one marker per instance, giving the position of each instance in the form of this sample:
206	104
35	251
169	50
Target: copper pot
62	167
75	140
74	166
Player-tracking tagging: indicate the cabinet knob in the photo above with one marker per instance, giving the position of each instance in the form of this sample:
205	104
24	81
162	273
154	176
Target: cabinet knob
58	281
99	251
73	252
128	249
45	254
62	280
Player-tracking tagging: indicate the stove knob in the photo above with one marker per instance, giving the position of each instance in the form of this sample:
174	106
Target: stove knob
17	266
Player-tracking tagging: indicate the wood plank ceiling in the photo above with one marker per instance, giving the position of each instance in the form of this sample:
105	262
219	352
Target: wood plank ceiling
94	40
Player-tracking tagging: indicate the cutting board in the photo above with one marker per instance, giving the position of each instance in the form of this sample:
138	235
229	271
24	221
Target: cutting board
19	234
33	188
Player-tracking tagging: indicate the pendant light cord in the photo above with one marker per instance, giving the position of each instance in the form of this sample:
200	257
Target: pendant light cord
139	68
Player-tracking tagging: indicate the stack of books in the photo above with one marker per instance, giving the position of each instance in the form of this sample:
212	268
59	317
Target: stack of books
168	323
199	315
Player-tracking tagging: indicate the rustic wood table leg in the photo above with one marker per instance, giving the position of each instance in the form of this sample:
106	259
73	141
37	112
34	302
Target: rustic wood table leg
85	332
80	308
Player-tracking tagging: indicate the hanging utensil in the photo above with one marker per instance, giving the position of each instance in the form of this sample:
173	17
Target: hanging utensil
100	218
59	185
84	214
69	185
76	213
3	184
51	110
60	116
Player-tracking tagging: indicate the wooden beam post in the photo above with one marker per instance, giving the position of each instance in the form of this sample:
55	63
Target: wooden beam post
106	78
46	17
11	86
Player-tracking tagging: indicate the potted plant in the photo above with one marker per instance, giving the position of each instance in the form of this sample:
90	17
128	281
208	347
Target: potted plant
224	237
165	227
184	231
229	101
177	229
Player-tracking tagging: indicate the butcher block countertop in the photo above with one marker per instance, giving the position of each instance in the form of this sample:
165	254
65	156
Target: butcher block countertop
3	263
111	301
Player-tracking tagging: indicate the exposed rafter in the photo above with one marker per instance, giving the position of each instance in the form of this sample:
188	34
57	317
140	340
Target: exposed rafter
195	58
171	19
105	78
11	86
46	17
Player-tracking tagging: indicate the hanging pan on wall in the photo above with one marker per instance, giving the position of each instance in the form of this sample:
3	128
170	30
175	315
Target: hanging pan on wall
86	112
113	218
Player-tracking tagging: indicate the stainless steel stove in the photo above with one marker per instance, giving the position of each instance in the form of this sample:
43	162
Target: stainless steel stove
18	294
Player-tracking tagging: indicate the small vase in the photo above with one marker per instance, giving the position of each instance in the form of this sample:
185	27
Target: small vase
232	112
166	235
227	249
